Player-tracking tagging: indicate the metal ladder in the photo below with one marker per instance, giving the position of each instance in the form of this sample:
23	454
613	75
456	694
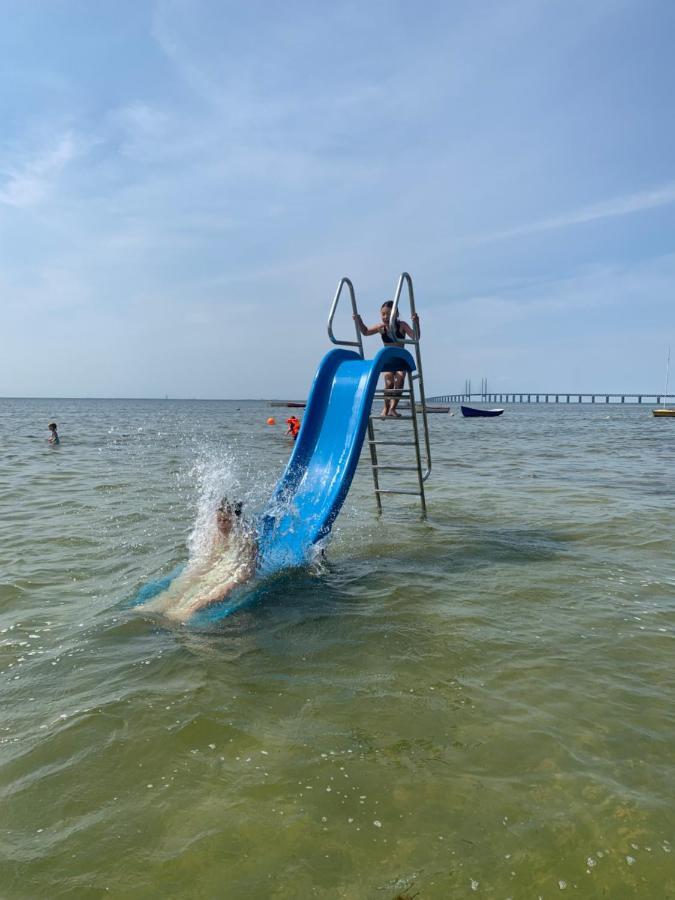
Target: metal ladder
423	470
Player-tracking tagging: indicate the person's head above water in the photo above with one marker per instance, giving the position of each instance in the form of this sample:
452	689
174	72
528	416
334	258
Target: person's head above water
226	515
52	426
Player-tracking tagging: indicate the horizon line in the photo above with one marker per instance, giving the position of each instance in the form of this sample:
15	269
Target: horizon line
161	399
434	396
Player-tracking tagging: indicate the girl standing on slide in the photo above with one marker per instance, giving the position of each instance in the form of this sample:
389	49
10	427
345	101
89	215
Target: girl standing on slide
393	381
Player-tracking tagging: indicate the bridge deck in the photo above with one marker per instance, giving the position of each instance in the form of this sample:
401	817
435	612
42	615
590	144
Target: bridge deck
553	397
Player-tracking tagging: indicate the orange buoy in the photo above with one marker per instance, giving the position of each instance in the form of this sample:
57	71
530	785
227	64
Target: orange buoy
271	421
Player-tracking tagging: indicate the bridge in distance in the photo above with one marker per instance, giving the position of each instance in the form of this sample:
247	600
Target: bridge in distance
551	397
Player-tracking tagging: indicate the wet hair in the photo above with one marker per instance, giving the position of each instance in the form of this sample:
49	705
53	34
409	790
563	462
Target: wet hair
389	304
229	508
52	425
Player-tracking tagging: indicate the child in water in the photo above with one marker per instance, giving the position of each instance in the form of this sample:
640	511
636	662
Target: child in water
229	562
393	381
293	427
53	437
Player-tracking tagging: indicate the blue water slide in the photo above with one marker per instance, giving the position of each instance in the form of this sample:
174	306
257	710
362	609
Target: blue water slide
310	493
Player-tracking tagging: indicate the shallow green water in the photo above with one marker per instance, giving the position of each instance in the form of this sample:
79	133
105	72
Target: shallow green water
476	705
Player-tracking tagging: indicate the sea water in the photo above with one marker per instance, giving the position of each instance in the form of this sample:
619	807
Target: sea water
479	704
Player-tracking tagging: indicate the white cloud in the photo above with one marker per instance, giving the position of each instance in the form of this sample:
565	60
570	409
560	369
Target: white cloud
26	185
246	161
144	131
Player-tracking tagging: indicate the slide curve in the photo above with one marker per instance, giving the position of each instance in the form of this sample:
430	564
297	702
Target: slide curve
310	493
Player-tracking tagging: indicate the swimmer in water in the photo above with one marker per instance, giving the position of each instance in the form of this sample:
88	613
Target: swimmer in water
293	427
53	437
229	563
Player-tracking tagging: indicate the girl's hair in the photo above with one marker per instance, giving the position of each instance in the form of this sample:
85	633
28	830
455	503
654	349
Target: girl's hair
232	509
52	425
388	304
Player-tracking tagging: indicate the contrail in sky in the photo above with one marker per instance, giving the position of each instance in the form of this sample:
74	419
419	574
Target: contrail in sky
619	206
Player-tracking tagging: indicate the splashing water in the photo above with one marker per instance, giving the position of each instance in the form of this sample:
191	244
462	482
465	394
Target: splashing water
213	565
215	480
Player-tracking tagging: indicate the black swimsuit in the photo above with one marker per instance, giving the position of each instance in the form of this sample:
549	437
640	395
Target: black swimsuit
386	337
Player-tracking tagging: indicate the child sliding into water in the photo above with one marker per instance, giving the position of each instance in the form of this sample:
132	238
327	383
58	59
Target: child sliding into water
229	561
393	381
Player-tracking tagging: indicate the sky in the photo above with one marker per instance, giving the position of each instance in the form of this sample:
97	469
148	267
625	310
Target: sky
183	183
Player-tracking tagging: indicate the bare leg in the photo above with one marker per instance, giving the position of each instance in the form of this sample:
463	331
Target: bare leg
184	612
399	381
388	386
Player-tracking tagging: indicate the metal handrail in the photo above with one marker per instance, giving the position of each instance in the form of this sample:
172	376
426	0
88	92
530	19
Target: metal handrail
357	343
406	279
418	376
355	313
418	456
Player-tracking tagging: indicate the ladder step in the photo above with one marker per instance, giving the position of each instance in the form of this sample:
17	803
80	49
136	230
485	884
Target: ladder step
414	493
394	443
386	395
388	418
398	468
